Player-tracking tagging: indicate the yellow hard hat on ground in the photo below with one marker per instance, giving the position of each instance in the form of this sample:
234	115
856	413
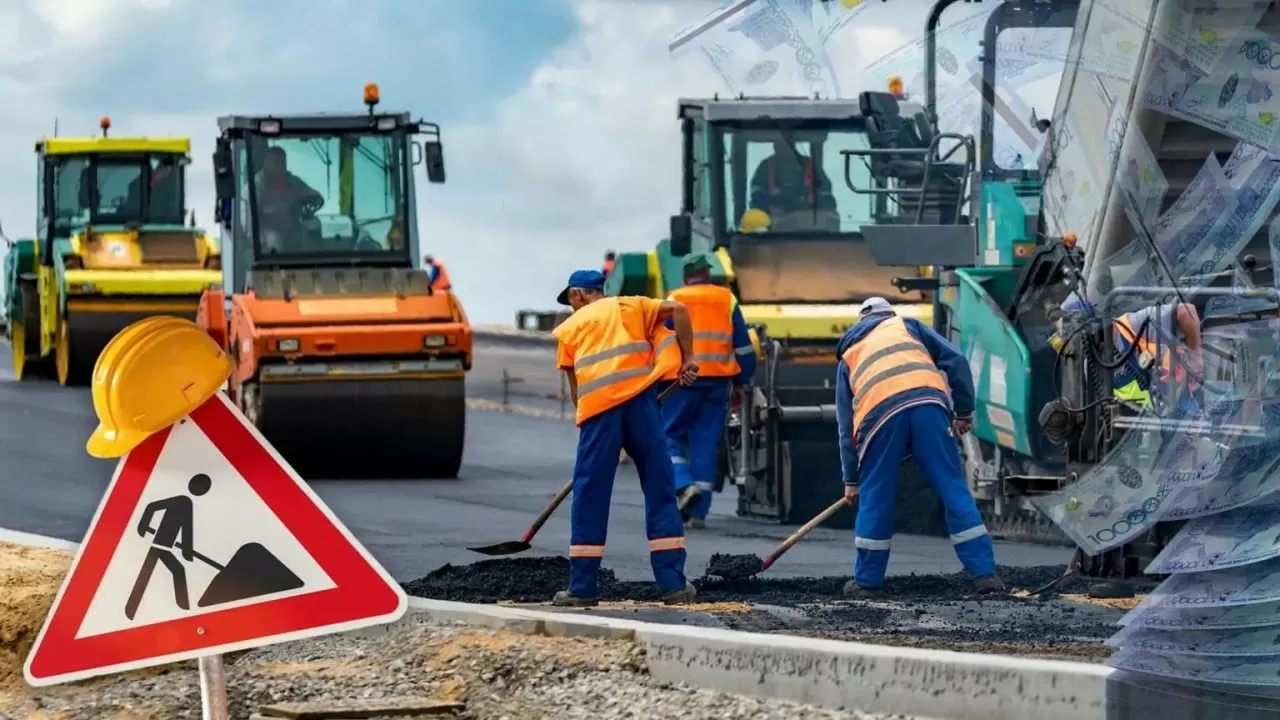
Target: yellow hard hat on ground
754	220
152	374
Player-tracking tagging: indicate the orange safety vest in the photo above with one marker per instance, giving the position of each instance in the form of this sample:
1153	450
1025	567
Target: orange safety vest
807	163
711	314
1151	349
888	361
615	357
441	281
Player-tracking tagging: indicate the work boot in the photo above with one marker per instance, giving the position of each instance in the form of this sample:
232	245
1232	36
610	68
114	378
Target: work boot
853	591
989	585
694	523
680	597
566	599
685	500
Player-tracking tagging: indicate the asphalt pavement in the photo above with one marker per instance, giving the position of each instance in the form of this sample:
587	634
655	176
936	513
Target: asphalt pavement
515	461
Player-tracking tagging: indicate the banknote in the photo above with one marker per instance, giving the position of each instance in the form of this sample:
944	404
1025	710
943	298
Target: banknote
1112	44
1184	641
1202	32
1242	301
1235	538
1248	475
957	42
1198	218
761	47
1230	617
1233	587
1138	172
837	14
1261	670
1139	696
1236	98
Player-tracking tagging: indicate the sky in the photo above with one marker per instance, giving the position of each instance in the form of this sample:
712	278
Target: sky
558	116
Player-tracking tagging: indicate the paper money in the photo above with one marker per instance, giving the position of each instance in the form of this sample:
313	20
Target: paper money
1234	669
957	43
1242	302
1231	617
1249	474
1112	43
1184	641
761	47
1236	538
1245	585
1138	171
1203	33
1198	217
836	15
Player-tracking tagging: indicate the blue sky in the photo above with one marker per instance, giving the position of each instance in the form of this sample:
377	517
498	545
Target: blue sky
558	115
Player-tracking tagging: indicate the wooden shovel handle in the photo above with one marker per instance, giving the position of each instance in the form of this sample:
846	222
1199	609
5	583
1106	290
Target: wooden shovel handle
547	511
805	530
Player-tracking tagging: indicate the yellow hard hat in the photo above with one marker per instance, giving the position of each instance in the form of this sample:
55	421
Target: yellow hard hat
754	220
149	376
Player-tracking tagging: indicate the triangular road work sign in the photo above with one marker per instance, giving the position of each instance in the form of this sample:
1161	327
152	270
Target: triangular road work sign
206	542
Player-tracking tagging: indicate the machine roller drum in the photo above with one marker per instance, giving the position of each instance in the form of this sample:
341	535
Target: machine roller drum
410	428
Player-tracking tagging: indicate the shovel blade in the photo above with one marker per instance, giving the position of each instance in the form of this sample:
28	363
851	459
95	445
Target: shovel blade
511	547
735	567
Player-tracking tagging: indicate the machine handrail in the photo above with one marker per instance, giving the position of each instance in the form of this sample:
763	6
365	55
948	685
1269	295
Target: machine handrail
931	157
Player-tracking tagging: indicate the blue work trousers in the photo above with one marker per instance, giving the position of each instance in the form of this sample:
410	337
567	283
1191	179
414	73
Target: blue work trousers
636	426
694	421
925	432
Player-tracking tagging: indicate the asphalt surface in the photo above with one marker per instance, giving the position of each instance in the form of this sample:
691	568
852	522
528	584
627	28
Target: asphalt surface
514	463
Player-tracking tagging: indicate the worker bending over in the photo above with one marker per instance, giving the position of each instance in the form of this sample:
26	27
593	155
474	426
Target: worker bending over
694	416
612	350
898	386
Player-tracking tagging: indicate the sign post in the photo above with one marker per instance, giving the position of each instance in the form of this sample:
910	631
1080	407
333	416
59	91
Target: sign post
206	541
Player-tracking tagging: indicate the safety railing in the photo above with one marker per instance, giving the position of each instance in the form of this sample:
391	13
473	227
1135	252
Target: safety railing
929	156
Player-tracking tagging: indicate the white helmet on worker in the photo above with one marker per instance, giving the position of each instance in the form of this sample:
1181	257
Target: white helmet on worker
875	306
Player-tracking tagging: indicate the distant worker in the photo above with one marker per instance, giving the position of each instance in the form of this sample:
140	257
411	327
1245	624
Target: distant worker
439	274
898	386
695	416
610	258
785	182
611	351
282	200
1168	348
279	187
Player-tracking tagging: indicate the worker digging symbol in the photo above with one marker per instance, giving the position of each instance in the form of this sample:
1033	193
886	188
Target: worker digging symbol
252	571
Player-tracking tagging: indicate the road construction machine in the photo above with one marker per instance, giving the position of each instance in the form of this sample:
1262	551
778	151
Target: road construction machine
346	358
799	273
113	245
1139	199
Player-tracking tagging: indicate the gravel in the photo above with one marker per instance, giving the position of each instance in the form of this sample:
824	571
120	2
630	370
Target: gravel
499	675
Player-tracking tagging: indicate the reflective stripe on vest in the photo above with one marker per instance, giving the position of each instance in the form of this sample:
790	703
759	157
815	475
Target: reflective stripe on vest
808	176
1146	347
889	360
613	359
711	314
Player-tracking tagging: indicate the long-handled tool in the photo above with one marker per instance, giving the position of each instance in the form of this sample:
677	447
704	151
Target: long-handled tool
732	567
511	547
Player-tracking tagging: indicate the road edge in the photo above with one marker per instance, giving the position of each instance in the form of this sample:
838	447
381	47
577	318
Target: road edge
828	673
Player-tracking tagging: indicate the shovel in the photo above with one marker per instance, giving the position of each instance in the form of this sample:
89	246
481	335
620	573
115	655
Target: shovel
511	547
735	567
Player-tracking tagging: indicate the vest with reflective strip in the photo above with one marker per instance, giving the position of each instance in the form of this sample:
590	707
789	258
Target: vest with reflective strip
1149	348
711	314
889	360
614	357
441	281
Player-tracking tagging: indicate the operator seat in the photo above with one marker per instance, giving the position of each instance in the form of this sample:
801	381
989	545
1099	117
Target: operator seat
887	129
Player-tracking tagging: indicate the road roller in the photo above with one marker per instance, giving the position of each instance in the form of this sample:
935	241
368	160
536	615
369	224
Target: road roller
347	359
112	246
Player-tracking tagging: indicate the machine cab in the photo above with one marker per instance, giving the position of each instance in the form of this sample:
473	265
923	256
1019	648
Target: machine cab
320	190
762	180
116	203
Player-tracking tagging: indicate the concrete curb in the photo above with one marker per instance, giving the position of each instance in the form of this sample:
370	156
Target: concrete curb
872	678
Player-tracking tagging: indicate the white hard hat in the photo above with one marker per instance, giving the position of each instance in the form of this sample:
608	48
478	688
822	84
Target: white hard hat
875	306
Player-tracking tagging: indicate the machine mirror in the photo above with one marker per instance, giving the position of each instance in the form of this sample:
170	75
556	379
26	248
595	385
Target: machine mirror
433	154
681	235
224	181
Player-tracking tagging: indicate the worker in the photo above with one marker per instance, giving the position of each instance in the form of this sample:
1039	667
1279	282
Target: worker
283	199
439	274
1158	363
611	351
694	417
785	181
902	389
610	258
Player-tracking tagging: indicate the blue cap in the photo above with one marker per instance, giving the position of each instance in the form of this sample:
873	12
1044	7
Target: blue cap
582	280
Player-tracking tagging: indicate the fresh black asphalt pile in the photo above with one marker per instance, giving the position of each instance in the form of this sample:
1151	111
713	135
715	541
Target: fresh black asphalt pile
918	610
